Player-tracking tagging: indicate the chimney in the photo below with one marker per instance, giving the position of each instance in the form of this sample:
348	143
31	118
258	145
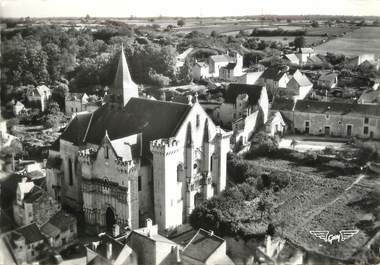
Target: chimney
211	233
115	230
178	257
44	163
148	223
151	230
24	179
109	250
190	100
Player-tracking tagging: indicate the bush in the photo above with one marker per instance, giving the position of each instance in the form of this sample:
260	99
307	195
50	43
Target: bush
240	170
263	145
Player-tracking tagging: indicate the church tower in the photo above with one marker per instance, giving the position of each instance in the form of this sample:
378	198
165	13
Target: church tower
123	87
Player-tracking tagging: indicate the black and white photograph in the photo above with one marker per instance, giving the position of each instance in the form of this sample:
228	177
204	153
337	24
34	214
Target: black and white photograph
164	132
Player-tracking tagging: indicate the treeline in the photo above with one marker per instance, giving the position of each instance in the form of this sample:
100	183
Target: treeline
277	32
87	59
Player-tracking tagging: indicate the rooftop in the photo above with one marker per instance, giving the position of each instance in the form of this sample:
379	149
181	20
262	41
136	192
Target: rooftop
253	92
31	233
202	245
273	73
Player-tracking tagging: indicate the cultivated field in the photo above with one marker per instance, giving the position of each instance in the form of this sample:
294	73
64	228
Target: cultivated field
360	41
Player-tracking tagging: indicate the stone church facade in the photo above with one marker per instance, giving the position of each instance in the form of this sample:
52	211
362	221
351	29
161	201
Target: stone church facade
137	158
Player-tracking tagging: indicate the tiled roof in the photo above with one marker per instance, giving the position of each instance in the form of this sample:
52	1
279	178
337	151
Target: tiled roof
62	220
337	108
282	104
202	246
76	129
273	73
31	233
253	92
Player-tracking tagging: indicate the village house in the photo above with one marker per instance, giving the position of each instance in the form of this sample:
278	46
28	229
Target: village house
18	108
25	244
233	69
275	124
250	78
370	96
304	54
365	61
226	66
245	109
274	78
292	58
120	165
33	204
298	87
337	119
60	230
328	80
205	248
151	247
38	97
200	71
78	102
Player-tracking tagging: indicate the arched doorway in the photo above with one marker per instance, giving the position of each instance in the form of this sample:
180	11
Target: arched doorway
110	219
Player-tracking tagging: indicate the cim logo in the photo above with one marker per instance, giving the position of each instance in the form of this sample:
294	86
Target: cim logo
330	238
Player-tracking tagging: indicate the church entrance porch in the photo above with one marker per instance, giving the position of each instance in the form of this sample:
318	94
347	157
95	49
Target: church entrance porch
110	219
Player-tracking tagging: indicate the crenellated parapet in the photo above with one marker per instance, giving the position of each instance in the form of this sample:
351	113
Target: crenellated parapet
87	156
164	146
126	167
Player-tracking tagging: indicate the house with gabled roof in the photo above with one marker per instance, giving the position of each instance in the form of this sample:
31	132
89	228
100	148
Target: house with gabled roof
38	97
205	248
298	87
136	158
328	80
304	54
274	78
26	244
33	204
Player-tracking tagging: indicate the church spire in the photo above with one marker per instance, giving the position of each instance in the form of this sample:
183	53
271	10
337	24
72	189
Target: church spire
123	85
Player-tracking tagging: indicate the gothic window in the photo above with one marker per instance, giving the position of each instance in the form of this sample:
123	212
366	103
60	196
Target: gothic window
106	152
197	122
179	172
71	173
189	139
211	162
139	183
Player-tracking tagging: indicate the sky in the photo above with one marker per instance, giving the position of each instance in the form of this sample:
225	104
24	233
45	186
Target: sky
147	8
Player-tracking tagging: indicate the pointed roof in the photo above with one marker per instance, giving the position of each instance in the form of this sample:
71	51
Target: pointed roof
123	83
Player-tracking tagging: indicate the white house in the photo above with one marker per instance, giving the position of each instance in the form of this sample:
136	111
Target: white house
304	54
39	97
200	71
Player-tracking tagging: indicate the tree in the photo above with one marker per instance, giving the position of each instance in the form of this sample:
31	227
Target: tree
299	42
315	24
184	75
214	34
13	149
181	22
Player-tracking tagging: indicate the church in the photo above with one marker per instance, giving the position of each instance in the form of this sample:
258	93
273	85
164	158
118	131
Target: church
136	158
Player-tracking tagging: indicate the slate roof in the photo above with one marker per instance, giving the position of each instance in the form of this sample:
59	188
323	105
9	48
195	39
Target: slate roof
31	233
138	116
253	92
282	104
311	106
328	77
273	73
220	58
35	194
201	64
76	130
292	58
62	220
302	80
202	246
230	66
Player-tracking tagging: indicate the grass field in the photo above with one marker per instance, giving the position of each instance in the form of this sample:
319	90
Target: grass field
360	41
312	201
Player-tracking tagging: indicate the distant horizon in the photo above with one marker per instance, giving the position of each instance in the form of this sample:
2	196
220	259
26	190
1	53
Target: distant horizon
193	9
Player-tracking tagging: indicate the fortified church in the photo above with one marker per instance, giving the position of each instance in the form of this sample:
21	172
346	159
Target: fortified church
137	158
